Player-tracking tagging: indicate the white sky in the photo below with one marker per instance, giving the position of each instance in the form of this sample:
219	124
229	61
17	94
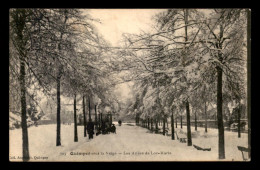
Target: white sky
118	21
115	22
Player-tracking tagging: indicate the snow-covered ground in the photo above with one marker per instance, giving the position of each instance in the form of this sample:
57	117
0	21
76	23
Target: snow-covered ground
210	140
130	143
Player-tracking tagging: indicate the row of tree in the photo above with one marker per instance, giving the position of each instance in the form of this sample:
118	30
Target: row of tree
192	60
57	52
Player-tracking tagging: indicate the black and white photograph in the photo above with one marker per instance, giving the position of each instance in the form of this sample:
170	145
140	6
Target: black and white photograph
129	85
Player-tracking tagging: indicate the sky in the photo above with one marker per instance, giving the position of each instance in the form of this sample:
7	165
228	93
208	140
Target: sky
118	21
115	22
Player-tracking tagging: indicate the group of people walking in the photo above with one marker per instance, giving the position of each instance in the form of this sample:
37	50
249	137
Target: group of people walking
90	129
105	128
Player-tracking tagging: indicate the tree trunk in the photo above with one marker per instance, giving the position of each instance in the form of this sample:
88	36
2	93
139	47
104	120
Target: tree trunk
58	140
206	118
75	120
181	121
19	17
188	124
152	124
136	119
23	110
156	124
96	117
172	126
186	23
189	143
229	119
84	116
176	124
164	125
111	118
99	121
195	121
89	109
221	138
148	123
238	120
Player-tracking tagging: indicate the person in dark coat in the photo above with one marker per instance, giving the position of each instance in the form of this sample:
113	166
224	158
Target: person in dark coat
113	128
99	131
107	125
103	127
119	122
90	129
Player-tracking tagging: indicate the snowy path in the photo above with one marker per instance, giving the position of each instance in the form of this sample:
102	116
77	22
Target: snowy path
131	143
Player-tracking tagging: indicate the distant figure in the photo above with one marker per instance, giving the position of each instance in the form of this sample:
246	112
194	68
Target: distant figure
113	128
99	131
107	126
90	129
103	127
119	122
